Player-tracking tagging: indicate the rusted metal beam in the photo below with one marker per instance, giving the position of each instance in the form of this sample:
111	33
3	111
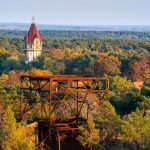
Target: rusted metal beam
56	93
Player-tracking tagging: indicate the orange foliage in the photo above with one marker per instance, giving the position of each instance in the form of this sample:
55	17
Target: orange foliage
119	51
105	57
56	53
139	69
107	64
136	70
12	78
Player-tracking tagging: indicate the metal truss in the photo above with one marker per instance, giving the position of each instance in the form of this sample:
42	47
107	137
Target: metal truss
60	101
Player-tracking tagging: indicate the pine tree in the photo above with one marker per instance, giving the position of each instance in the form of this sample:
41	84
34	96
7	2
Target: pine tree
89	134
136	128
109	123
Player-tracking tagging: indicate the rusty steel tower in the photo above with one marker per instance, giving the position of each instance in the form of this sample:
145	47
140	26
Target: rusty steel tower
63	104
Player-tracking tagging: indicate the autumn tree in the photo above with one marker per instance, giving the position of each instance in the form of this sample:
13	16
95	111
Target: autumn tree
146	75
138	68
39	72
106	64
56	53
11	78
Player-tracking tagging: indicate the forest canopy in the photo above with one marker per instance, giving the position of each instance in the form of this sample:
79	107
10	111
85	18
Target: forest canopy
123	122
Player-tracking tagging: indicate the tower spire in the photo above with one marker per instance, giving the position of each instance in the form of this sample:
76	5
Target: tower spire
33	19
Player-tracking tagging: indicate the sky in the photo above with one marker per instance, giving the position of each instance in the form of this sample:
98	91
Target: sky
76	12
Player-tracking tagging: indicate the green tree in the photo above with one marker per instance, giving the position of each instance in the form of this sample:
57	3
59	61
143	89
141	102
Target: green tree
12	133
136	129
109	123
89	134
120	86
54	66
121	95
144	103
84	64
11	63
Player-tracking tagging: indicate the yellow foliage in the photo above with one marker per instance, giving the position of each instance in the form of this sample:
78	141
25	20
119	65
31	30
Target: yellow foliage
3	79
147	74
38	72
73	54
2	52
132	52
105	57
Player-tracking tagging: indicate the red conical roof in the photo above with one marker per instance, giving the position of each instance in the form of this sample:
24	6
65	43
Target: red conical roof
32	33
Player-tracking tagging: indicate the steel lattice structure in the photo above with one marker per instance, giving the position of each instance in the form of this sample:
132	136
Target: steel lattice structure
61	100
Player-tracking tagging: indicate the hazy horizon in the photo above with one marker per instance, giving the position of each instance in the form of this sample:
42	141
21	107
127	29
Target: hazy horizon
76	24
76	12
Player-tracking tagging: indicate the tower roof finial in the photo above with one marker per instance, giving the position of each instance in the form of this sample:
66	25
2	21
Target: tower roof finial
33	19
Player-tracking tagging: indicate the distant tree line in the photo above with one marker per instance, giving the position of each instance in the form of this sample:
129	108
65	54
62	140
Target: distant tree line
66	34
